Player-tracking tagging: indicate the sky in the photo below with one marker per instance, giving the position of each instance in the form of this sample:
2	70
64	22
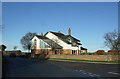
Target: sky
88	21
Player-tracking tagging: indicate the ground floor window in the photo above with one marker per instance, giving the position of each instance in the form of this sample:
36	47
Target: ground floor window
74	52
57	51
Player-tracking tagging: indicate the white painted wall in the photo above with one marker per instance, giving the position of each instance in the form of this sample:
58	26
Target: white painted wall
60	42
37	43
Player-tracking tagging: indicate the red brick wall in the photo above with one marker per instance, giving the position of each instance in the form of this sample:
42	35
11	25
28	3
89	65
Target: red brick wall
88	57
49	51
67	51
38	51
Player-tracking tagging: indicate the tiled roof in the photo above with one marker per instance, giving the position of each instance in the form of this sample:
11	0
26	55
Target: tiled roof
72	37
82	48
41	37
61	36
53	44
49	42
64	37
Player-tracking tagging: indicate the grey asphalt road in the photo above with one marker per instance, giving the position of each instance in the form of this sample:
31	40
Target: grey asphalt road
22	67
92	69
0	64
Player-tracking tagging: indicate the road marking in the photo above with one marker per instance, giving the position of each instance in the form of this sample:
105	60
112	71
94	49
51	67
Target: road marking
90	74
96	75
84	73
80	70
114	73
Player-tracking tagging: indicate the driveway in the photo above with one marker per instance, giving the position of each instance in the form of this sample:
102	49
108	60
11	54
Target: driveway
22	67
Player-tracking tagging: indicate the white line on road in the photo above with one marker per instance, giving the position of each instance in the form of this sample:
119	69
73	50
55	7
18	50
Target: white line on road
91	74
80	70
96	75
114	73
84	73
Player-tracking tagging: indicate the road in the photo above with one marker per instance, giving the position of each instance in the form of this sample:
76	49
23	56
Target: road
92	69
22	67
0	64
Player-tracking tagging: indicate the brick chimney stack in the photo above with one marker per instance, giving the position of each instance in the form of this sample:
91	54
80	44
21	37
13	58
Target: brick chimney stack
69	31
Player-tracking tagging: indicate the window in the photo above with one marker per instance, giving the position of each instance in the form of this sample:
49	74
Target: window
46	46
69	40
35	42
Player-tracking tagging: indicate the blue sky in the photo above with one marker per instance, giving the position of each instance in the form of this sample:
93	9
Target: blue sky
89	21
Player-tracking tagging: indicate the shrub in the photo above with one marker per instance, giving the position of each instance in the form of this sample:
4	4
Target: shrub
67	54
94	53
100	52
82	53
113	52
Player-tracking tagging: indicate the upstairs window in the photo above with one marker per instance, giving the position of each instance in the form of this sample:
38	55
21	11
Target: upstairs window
69	40
35	42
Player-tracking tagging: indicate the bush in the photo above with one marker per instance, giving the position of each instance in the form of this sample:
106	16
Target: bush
113	52
67	54
100	52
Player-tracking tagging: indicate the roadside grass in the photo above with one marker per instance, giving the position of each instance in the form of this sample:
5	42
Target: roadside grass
84	60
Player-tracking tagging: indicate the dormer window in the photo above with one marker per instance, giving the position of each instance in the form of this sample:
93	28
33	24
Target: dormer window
69	40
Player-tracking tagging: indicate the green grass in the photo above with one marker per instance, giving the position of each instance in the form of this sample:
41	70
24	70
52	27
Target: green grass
84	60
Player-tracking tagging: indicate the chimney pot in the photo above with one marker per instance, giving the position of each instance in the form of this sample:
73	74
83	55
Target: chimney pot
69	31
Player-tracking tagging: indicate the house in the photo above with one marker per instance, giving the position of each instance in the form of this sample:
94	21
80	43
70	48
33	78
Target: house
56	43
83	50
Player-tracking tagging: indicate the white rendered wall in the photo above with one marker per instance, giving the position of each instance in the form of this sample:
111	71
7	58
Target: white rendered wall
37	42
60	42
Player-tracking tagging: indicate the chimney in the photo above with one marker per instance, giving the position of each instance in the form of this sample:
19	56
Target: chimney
69	31
41	34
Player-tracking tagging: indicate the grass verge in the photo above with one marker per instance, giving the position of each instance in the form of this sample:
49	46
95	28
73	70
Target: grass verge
84	60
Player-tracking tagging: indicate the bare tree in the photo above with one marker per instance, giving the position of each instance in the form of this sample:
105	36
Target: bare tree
14	47
26	41
112	40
